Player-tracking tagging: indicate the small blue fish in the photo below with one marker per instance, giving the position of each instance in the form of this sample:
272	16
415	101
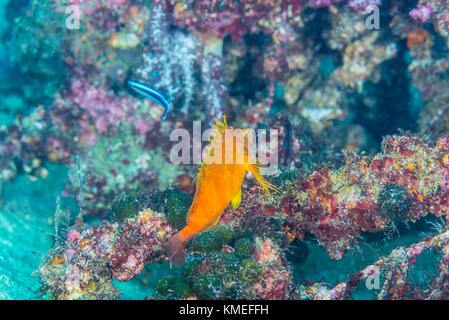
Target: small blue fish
152	94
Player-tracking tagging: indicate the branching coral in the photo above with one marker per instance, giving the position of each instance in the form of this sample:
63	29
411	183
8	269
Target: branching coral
169	65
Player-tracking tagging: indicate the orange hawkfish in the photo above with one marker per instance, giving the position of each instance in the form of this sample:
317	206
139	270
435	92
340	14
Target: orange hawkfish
218	184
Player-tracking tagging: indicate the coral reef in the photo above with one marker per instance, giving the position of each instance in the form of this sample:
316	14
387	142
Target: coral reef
405	182
35	48
237	18
429	77
169	65
335	89
433	11
396	267
84	264
250	269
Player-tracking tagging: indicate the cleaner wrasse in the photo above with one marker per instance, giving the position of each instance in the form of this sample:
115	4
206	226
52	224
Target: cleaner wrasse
152	94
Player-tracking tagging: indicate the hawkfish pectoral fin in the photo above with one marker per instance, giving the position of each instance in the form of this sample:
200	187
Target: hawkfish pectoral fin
267	186
237	199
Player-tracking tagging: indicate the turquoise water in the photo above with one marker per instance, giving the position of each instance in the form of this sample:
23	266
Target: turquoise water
27	233
26	228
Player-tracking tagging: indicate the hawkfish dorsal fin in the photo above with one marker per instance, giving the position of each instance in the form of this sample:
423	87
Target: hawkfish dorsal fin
200	175
215	142
221	126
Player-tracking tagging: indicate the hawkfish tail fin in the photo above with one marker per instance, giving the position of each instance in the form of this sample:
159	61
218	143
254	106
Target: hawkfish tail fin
175	249
267	186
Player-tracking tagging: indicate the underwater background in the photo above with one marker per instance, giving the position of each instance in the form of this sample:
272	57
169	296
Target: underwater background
88	195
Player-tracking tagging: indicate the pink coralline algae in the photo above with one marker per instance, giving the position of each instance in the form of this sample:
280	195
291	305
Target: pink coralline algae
276	280
83	266
141	240
362	5
435	11
322	3
88	111
356	5
107	111
421	13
